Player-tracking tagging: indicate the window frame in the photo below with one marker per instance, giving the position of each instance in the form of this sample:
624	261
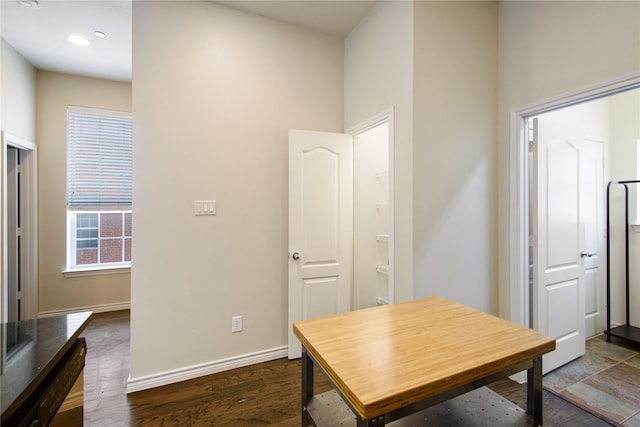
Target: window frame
72	240
71	267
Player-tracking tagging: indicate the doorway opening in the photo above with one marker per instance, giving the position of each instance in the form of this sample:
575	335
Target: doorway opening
371	217
19	229
594	111
321	221
373	211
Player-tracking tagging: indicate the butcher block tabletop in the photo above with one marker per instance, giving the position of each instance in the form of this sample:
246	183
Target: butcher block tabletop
387	357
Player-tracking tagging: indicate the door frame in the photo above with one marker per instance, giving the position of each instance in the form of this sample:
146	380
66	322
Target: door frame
384	116
29	207
518	284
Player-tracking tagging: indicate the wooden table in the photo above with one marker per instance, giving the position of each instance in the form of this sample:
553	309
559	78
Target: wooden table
390	361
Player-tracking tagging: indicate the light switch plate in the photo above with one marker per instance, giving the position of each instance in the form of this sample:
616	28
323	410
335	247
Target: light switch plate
236	324
204	207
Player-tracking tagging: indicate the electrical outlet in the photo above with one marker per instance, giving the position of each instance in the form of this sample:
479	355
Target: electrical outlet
236	324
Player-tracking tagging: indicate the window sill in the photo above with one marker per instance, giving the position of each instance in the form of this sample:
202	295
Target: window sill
96	271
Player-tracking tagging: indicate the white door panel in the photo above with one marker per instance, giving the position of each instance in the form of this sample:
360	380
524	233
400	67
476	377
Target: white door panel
562	308
568	198
592	186
558	296
321	269
321	297
564	320
590	296
320	226
319	187
561	216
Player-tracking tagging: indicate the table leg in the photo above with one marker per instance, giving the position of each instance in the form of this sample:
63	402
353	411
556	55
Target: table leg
307	382
534	391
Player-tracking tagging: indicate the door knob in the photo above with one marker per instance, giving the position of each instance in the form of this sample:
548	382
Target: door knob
295	256
584	254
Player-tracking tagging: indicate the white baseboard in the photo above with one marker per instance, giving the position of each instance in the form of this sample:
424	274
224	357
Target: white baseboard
73	400
191	372
102	308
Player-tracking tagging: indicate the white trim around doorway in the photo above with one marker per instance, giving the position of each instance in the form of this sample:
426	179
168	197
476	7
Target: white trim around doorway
518	283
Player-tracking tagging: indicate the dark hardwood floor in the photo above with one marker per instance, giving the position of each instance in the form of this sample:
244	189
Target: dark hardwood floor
263	394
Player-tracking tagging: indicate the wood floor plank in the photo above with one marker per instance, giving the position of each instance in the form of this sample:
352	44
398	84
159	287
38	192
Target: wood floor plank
263	394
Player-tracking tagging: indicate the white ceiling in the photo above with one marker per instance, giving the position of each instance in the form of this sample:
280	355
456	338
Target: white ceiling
337	17
40	33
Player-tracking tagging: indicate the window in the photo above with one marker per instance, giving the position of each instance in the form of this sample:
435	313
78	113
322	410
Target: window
99	188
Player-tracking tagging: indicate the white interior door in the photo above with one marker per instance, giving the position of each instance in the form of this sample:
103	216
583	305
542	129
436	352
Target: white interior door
558	277
320	226
592	184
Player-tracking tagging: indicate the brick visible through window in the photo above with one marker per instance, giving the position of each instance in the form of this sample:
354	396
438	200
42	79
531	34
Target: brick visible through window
102	237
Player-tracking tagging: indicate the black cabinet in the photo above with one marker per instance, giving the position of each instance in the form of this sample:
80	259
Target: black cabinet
41	360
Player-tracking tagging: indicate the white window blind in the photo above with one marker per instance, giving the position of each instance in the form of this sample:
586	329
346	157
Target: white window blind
99	158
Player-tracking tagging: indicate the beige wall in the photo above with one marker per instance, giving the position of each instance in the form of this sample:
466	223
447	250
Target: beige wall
378	74
549	49
17	110
17	94
454	152
215	92
54	93
625	134
624	121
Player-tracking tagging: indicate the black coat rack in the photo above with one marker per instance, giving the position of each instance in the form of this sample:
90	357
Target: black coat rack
626	331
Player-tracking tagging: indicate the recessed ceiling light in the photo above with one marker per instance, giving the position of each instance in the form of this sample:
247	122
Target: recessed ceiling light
79	40
99	34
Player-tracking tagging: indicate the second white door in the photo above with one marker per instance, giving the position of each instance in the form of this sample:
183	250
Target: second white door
567	230
320	226
592	187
